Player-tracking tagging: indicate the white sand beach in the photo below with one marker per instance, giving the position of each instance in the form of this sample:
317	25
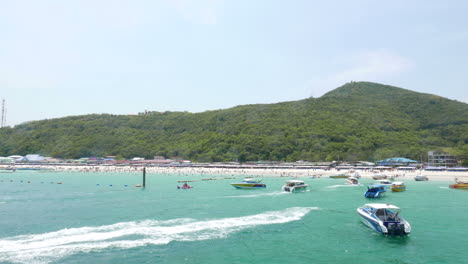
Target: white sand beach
251	172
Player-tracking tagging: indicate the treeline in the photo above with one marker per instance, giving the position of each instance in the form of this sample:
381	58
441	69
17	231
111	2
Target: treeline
358	121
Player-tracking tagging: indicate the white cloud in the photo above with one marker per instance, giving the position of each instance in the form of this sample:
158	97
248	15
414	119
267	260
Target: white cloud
375	66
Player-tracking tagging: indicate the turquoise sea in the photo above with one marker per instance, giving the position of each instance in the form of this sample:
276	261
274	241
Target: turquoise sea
80	221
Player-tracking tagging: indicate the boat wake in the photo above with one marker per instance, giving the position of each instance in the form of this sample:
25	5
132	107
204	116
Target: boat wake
48	247
343	185
259	194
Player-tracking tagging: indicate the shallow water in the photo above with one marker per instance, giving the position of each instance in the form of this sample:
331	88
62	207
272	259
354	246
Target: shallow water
85	220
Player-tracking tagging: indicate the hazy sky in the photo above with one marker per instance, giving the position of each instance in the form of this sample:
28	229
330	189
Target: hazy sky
60	58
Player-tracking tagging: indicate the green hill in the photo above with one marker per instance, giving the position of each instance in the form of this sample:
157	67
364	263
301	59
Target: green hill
357	121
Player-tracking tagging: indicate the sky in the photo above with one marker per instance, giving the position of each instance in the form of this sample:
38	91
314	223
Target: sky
61	58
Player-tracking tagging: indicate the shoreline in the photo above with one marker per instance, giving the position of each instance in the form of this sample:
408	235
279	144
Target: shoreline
253	172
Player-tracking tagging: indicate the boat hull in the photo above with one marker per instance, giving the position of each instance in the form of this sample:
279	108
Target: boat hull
459	186
301	188
398	188
248	185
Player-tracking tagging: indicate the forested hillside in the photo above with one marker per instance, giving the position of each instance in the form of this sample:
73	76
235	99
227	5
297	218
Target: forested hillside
357	121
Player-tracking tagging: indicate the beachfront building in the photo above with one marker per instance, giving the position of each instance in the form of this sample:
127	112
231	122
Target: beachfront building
437	159
31	158
397	162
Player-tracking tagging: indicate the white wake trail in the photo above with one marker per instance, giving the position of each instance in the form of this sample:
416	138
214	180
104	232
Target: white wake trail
47	247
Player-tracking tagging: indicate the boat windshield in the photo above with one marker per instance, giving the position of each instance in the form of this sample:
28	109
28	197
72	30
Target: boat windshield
389	214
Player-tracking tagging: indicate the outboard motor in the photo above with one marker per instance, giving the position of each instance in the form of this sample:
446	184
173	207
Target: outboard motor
396	229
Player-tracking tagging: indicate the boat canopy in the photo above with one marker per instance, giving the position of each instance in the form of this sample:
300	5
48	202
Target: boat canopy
381	206
252	180
295	181
398	183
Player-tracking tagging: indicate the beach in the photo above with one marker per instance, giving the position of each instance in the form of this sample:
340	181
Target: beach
251	172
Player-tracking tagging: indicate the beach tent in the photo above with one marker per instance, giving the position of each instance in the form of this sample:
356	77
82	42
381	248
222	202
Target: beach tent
396	162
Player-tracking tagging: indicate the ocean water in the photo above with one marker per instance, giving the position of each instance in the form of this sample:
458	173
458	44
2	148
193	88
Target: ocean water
86	220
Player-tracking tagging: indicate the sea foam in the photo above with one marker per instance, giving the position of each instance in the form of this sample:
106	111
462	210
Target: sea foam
47	247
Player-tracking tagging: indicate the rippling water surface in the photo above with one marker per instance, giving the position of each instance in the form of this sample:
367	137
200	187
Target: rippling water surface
102	218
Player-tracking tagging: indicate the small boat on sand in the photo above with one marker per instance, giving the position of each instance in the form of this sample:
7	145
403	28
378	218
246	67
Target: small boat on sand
421	178
385	219
294	186
249	183
398	187
379	177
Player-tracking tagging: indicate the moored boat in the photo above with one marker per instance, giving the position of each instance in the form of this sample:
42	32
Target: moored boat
421	178
339	176
385	219
379	177
294	186
398	187
249	183
352	181
375	191
460	184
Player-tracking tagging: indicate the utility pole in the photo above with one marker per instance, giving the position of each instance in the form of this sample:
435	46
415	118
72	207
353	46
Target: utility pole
144	177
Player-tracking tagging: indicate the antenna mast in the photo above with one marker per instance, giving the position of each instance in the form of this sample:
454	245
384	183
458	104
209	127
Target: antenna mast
3	114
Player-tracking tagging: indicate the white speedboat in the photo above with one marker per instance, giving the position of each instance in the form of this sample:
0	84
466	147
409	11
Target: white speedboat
384	218
385	183
294	186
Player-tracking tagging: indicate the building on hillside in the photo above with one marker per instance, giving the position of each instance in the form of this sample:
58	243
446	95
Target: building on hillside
441	159
33	158
397	162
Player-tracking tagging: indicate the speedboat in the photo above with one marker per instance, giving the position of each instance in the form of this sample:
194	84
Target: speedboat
375	191
249	183
384	218
459	184
352	181
398	187
421	178
294	186
385	183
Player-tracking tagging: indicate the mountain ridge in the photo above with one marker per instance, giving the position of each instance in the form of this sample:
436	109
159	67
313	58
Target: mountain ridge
356	121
